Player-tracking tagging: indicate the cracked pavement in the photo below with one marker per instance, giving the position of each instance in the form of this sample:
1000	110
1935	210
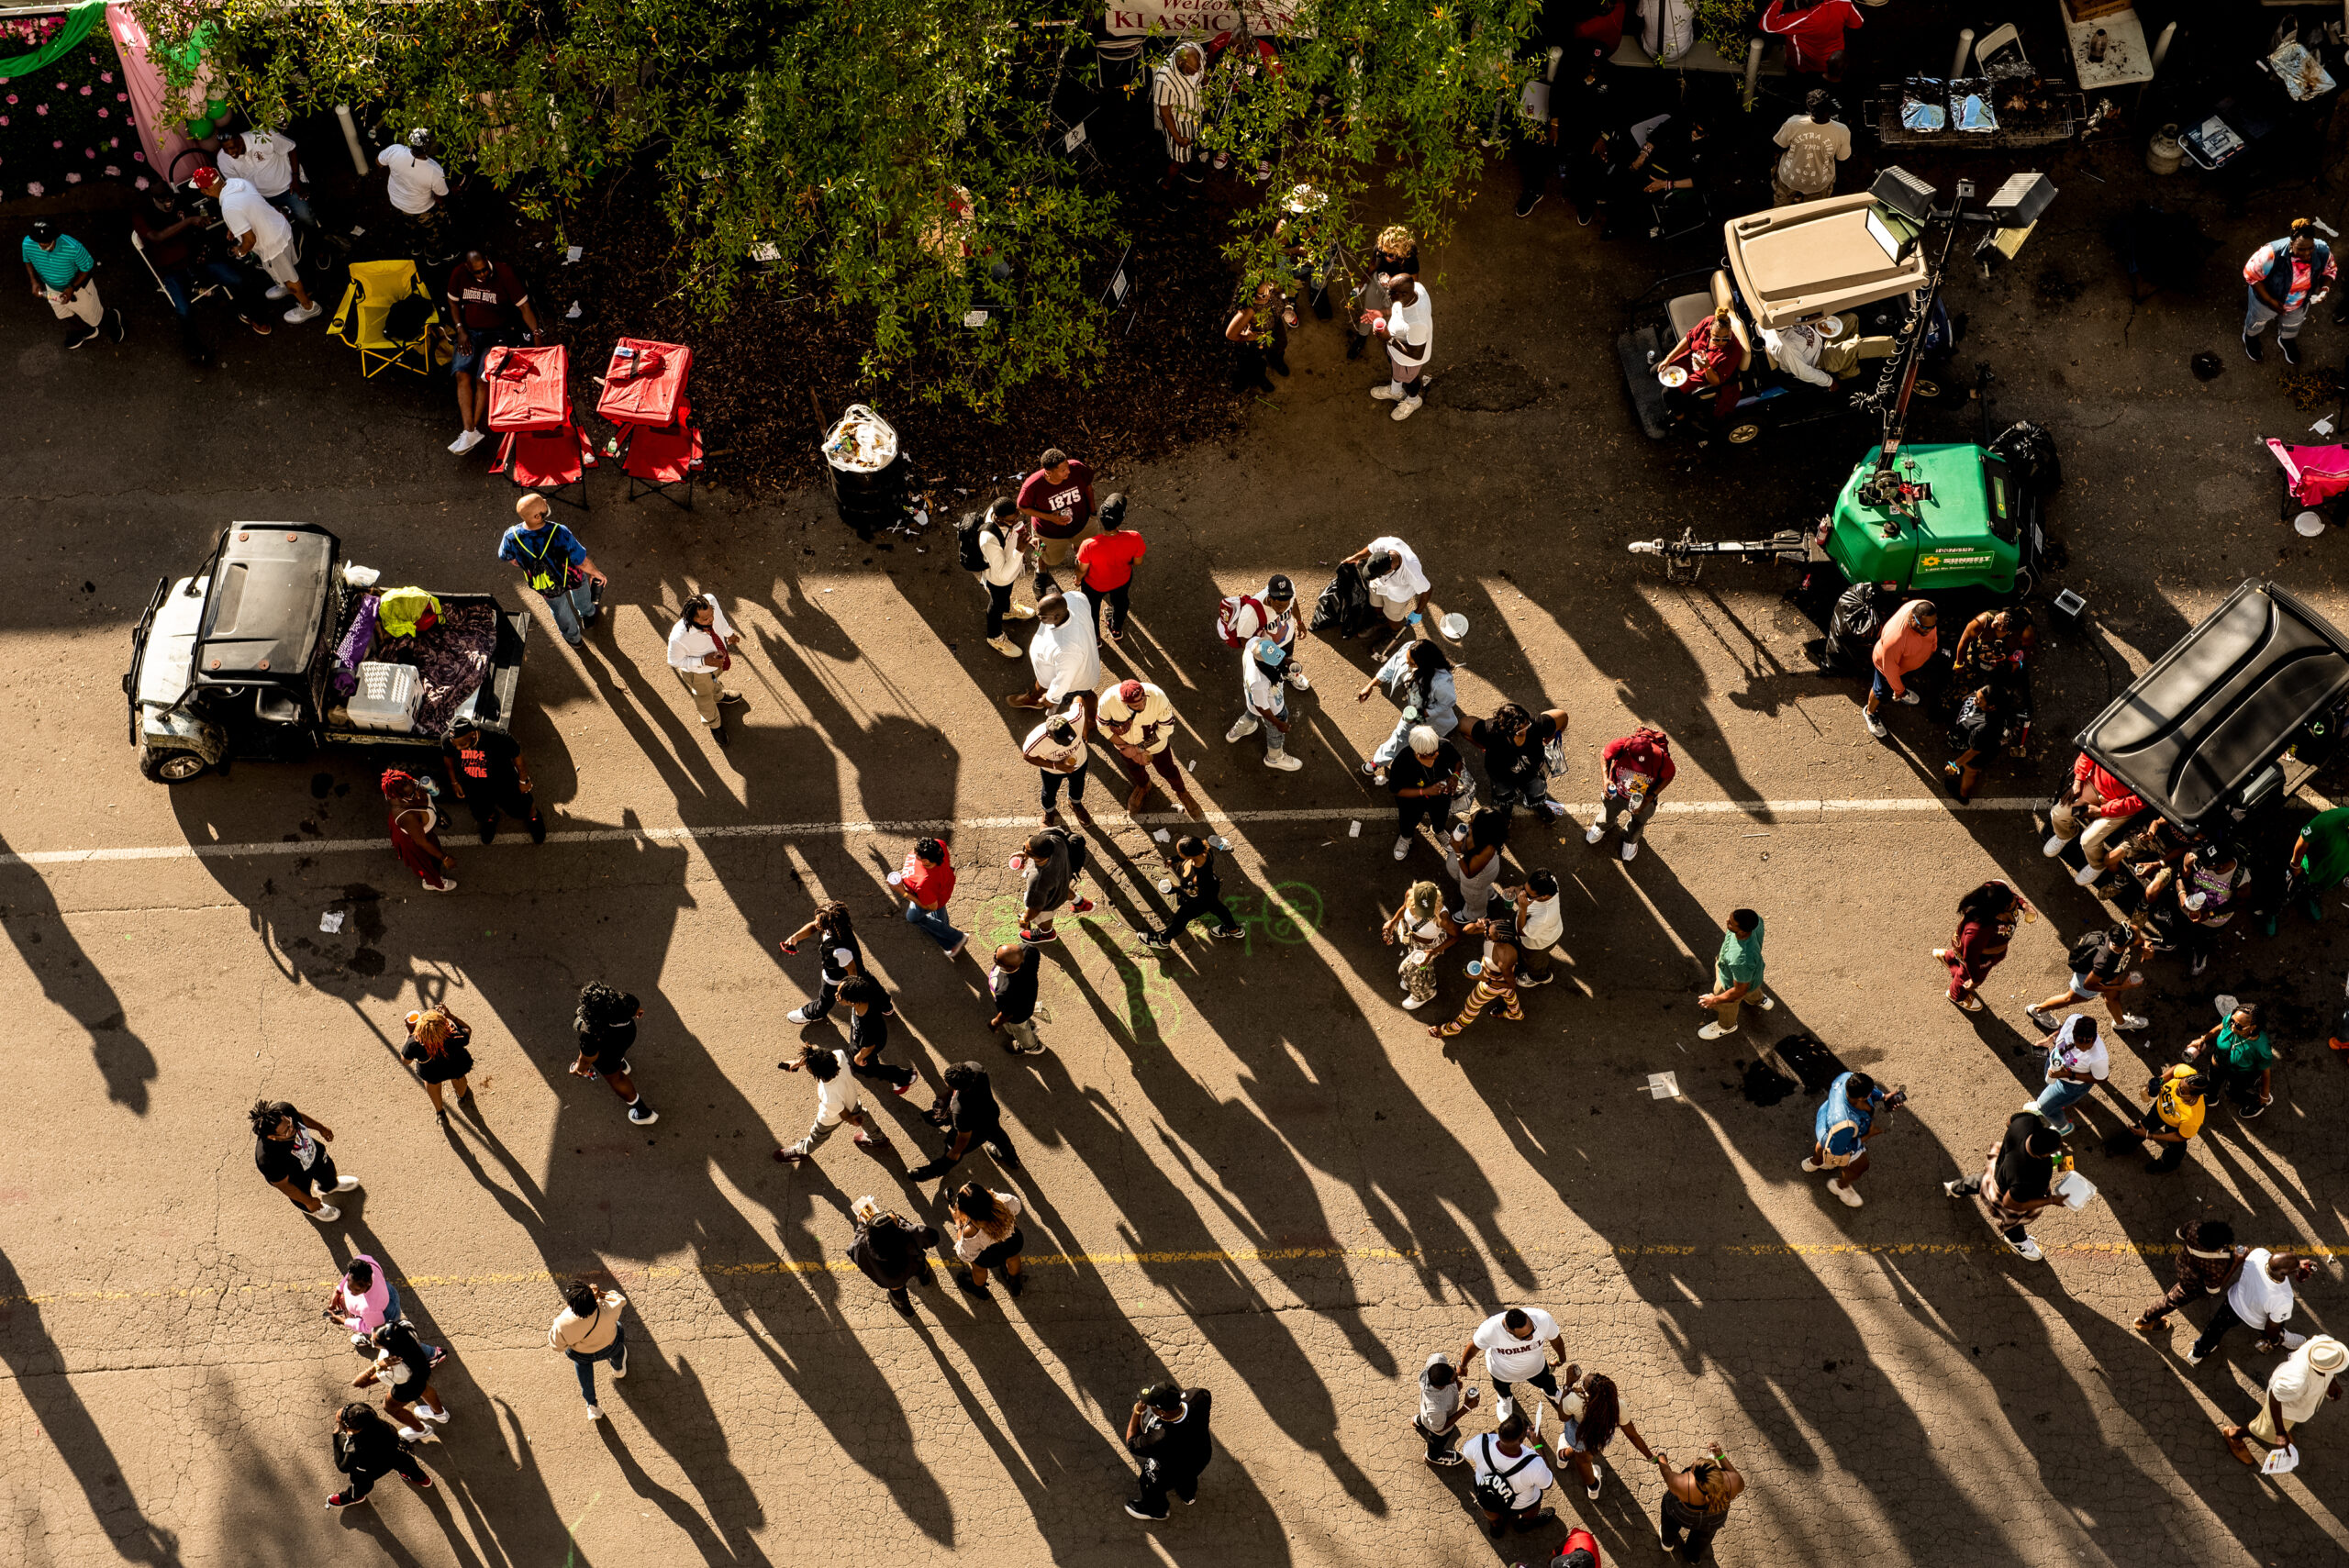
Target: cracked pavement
1245	1166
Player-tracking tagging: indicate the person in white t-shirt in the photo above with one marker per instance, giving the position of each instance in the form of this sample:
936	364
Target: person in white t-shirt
259	230
838	1100
416	183
1064	655
271	162
1399	586
1263	702
1511	1473
2296	1391
2077	1061
1517	1345
701	649
1541	922
2260	1299
1815	141
1408	327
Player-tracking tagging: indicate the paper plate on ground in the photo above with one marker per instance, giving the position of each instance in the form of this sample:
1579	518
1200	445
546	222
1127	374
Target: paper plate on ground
2308	525
1453	625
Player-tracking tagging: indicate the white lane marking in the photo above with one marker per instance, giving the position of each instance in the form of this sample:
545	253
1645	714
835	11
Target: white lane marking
1757	810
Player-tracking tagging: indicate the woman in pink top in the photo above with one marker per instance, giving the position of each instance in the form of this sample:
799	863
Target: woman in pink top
1909	639
363	1300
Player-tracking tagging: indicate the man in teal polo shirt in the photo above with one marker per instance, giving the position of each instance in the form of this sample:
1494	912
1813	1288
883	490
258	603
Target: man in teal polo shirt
59	269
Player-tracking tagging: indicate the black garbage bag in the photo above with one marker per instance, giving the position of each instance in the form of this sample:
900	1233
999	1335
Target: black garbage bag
1852	628
1345	605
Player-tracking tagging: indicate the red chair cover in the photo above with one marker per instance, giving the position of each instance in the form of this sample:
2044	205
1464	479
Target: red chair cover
646	382
663	456
529	388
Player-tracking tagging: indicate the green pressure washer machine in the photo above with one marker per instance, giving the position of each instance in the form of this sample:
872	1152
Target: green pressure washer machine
1919	517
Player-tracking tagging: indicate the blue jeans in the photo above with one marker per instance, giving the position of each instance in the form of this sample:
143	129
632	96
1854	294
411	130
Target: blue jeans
574	611
934	922
585	1365
1878	687
176	279
2060	1095
2257	314
294	207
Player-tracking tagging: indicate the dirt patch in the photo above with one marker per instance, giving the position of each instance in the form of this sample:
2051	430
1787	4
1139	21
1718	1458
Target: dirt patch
1489	383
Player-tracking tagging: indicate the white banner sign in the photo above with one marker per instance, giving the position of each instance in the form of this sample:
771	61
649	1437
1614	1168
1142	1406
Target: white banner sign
1200	19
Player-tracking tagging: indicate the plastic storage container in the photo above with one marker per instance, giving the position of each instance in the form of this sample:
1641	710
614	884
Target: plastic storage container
387	697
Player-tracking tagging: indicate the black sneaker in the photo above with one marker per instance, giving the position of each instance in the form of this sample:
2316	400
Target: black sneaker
1231	933
2291	349
1355	342
1015	1284
538	830
488	832
719	732
1528	202
2251	346
76	340
114	328
1133	1510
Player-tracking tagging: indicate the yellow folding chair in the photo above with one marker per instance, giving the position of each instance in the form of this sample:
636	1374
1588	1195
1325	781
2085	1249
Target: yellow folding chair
389	316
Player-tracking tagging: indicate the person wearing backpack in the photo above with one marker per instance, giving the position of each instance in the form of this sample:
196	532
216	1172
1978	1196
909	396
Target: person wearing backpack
1168	1433
2100	968
1241	618
993	547
1815	141
893	1251
1512	1473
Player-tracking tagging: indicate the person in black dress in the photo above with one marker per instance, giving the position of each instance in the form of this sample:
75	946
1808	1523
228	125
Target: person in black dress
366	1449
607	1024
893	1251
437	1042
868	1033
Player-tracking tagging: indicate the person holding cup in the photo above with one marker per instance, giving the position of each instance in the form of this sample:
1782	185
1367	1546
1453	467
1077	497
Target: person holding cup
1419	676
1633	771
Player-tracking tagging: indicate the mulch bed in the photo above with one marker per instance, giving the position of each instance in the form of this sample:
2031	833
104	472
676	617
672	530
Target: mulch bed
1166	384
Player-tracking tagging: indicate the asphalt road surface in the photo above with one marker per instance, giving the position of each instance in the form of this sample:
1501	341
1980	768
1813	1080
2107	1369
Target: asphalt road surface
1244	1166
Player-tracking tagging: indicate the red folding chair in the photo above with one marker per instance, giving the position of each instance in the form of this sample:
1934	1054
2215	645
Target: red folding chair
529	405
644	396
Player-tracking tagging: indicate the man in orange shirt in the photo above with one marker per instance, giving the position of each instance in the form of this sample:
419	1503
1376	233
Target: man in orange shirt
1908	640
926	883
1105	565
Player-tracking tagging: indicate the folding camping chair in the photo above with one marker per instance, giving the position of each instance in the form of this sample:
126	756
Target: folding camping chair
529	405
199	291
644	396
389	316
2313	476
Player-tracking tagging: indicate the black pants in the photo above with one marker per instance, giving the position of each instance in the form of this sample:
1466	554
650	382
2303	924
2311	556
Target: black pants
822	1005
927	1280
1189	908
1412	810
321	1178
879	1071
359	1483
1076	782
998	601
2229	1082
991	1138
1115	600
1157	1481
1248	367
1546	1380
1440	1445
487	800
1675	1516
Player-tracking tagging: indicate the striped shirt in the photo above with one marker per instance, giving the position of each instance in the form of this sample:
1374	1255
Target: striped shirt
1173	90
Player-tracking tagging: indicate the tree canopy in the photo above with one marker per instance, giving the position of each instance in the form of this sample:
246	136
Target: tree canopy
888	157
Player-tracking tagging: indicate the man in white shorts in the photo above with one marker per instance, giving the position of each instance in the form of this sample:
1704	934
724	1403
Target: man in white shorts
257	228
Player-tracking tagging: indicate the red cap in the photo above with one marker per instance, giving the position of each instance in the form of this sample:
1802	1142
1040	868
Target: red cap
205	177
1129	694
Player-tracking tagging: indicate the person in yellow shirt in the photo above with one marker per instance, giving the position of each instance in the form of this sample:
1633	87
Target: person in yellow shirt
2180	1098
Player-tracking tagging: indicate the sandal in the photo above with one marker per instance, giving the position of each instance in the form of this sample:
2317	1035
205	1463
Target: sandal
1971	1005
1445	1030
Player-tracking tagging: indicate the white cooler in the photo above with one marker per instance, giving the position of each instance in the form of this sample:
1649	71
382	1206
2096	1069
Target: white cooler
387	697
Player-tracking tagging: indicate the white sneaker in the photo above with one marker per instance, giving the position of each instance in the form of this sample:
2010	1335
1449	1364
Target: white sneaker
347	1185
1384	394
1405	409
1714	1031
467	442
1630	848
2088	876
448	884
1301	683
325	1213
1762	1004
2292	1341
799	1015
1810	1162
621	1369
1851	1199
1413	1004
1242	728
2028	1247
1876	725
2132	1021
595	1412
1911	698
438	1417
1003	646
1598	832
417	1435
299	315
2054	847
1403	847
277	291
1280	761
1020	612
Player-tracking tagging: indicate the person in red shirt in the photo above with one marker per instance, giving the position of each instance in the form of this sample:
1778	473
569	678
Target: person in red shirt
2094	808
491	307
925	886
1105	566
1814	33
1634	771
1057	498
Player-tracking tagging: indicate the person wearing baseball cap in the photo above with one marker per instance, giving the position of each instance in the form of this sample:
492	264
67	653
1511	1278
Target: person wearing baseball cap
1138	719
2296	1391
59	268
1263	704
256	229
416	184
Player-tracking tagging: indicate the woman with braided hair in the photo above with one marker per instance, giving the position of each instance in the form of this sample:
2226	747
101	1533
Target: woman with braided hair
415	822
607	1025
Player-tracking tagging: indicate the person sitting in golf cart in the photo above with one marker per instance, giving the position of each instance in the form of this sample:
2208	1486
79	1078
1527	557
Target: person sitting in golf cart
1811	351
1714	355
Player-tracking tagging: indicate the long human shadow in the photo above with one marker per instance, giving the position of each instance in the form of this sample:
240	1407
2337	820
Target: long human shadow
39	1368
74	984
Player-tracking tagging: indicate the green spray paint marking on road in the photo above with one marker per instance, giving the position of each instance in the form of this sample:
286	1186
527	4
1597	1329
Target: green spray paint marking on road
1137	980
571	1554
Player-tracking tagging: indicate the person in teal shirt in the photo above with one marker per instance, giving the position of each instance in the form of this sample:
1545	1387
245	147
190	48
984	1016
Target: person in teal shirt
2238	1057
1737	975
59	268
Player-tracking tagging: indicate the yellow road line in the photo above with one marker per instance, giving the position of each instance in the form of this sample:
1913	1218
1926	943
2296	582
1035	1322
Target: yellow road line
1758	1249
